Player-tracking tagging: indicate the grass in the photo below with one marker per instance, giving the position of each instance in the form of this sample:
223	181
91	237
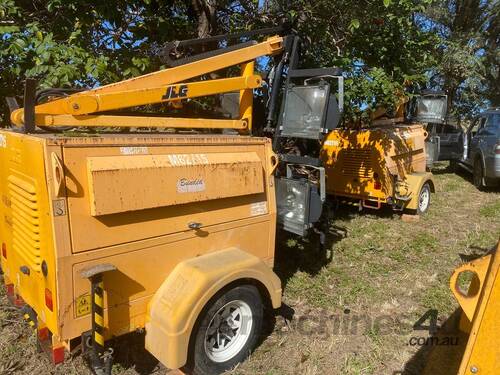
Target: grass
381	268
383	275
490	210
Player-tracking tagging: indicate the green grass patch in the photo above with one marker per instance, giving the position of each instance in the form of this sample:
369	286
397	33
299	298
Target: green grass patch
439	297
491	210
355	365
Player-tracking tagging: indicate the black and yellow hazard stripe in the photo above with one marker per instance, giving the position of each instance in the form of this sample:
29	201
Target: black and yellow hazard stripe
98	313
27	317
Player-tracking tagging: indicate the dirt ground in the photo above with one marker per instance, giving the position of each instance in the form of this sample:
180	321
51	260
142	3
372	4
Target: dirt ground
351	311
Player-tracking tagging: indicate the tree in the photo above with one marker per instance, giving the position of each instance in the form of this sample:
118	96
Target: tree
467	53
383	46
68	43
378	43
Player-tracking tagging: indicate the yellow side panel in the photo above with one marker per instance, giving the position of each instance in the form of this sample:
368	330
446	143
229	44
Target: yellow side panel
142	268
355	159
353	162
151	196
26	222
130	183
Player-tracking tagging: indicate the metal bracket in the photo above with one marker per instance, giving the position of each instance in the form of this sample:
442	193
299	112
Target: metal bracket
322	177
29	105
101	360
88	273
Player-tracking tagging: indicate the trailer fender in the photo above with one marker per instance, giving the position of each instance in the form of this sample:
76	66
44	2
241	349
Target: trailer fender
415	182
175	307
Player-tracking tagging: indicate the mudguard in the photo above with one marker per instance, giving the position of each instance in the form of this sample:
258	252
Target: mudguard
415	182
176	305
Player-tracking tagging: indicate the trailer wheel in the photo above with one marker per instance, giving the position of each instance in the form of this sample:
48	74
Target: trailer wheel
424	199
227	330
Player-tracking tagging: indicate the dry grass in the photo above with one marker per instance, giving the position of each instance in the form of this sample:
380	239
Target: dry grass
353	314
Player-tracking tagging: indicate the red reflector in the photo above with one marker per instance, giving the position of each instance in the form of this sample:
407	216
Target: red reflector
9	290
43	334
58	355
377	185
497	150
48	300
4	250
18	301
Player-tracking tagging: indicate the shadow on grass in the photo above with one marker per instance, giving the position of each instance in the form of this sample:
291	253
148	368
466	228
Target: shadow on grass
130	352
467	176
347	211
440	353
294	253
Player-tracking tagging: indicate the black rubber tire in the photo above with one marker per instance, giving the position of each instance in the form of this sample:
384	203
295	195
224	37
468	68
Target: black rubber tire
426	188
453	166
477	174
198	361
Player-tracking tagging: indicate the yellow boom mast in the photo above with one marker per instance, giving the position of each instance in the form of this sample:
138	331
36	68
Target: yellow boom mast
167	85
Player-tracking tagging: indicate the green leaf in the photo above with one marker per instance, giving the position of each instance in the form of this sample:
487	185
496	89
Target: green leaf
354	24
387	3
8	29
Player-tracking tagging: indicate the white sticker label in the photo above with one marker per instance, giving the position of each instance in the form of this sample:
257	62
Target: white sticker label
259	208
186	185
59	207
406	135
332	142
3	141
134	150
182	160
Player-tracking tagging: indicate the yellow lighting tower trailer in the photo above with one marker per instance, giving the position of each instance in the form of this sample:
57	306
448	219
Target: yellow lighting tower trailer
168	231
384	163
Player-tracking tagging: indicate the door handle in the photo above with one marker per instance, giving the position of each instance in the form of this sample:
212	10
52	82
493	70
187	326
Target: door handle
195	225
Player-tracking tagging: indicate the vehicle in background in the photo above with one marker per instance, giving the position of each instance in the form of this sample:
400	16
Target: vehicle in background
444	134
481	149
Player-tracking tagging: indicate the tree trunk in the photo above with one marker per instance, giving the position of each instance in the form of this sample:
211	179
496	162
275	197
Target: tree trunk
206	16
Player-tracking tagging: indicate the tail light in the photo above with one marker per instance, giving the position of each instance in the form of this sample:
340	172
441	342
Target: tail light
48	300
58	355
9	290
377	185
43	333
4	250
497	149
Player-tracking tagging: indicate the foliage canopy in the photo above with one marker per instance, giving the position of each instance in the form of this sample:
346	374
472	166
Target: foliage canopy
384	46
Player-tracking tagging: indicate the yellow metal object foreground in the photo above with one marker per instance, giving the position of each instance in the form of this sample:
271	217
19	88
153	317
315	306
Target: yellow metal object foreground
174	308
482	308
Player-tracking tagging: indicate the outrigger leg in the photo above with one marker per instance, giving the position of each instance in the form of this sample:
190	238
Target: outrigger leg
101	359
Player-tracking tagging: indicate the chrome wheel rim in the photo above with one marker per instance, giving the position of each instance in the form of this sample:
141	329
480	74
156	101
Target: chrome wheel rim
423	201
228	331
